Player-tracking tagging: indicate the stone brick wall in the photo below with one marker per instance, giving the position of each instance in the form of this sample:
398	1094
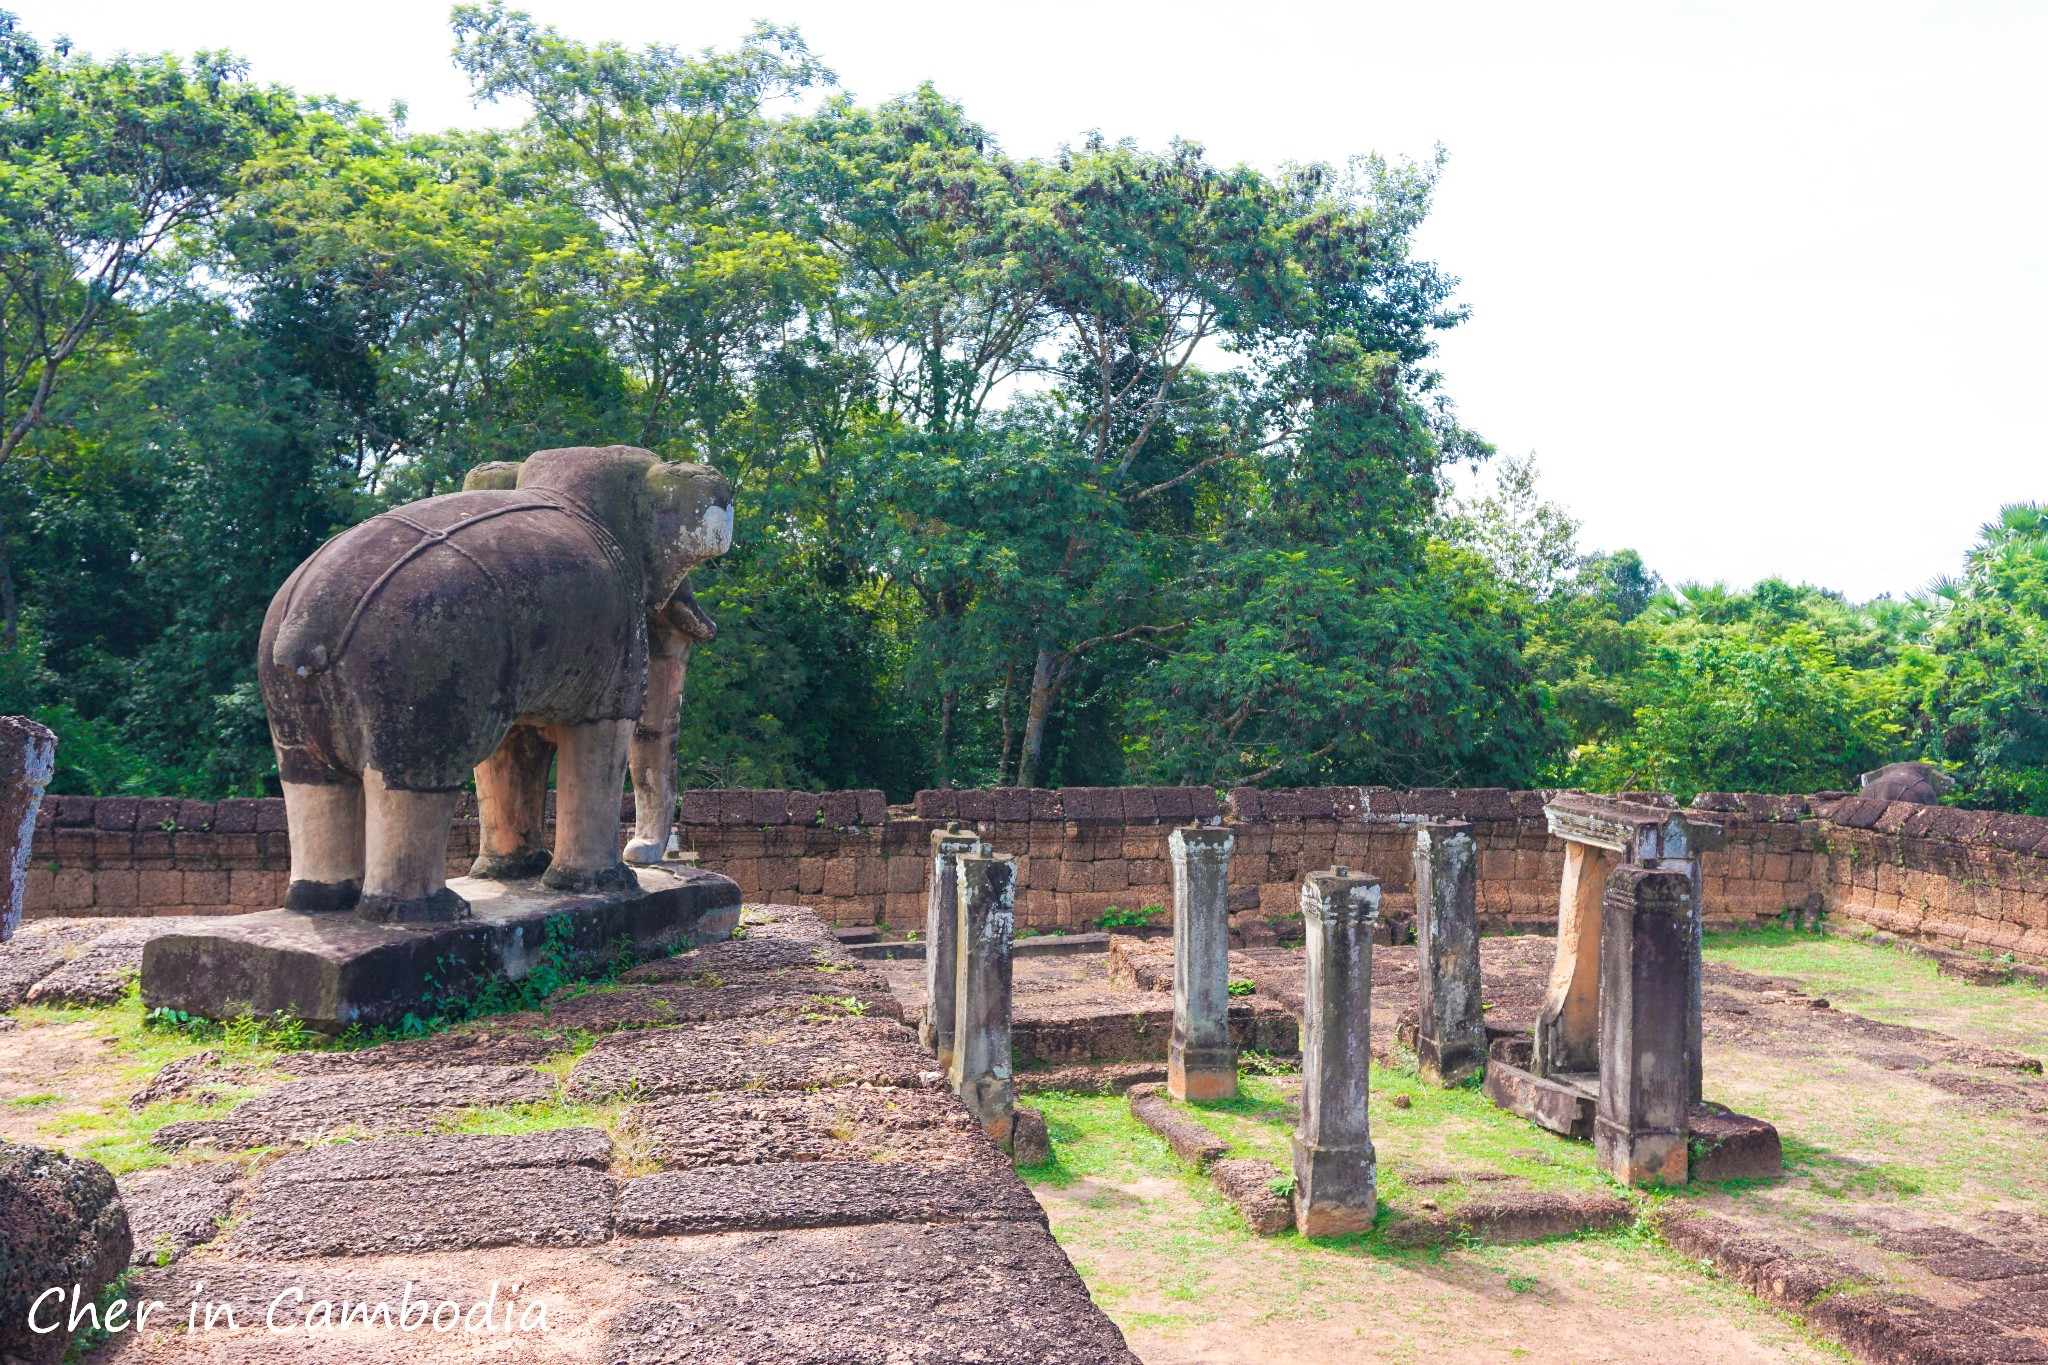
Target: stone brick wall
1965	878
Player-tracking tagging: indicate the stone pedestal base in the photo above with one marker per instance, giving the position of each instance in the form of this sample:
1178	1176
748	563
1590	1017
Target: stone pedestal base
1201	1077
335	971
1640	1157
1336	1189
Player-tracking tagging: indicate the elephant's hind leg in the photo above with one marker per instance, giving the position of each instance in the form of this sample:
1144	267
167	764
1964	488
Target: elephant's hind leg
405	873
511	800
325	822
589	781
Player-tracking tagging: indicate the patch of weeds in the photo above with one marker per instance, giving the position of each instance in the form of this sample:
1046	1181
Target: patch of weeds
35	1101
1243	988
1115	918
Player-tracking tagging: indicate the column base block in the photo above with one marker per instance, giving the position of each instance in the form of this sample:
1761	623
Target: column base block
1640	1158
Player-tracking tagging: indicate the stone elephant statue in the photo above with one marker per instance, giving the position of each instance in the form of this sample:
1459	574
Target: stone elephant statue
516	623
1920	783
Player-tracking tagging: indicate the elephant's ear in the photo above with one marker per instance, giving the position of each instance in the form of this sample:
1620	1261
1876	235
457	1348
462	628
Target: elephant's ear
500	475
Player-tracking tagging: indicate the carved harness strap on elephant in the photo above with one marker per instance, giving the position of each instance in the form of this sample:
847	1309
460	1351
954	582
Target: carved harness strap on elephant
480	631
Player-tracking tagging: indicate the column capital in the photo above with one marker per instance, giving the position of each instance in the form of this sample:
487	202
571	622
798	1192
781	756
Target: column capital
1340	895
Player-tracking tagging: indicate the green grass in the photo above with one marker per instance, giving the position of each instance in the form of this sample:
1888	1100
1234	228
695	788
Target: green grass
1890	985
1165	1255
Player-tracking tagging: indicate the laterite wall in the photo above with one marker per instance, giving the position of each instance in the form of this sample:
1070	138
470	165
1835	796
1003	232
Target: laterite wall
1965	878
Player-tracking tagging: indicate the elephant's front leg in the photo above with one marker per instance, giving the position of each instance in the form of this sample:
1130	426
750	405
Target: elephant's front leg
511	803
654	751
589	775
405	855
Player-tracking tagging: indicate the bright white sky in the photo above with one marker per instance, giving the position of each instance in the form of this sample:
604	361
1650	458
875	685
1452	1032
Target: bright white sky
1761	283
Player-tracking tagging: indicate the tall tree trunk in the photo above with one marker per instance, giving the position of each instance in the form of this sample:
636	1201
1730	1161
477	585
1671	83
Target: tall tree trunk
942	761
1046	676
1009	731
10	610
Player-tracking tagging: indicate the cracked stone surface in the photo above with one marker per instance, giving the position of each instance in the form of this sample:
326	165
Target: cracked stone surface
432	1194
803	1153
815	1194
100	974
755	1055
863	1296
848	1123
379	1102
170	1212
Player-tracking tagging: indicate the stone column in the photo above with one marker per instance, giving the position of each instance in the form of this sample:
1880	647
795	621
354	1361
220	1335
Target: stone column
1450	1040
28	756
1695	1037
1201	1064
1335	1170
980	1072
941	935
1639	1132
1568	1028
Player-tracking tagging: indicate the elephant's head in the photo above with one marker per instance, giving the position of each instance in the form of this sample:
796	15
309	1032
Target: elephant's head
668	516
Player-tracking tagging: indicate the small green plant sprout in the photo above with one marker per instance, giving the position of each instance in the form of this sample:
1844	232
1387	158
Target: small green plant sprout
1114	918
1242	988
1284	1186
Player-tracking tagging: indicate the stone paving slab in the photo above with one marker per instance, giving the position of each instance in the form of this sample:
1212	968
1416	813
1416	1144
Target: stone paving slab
756	952
170	1212
817	1194
878	1295
435	1194
100	975
445	1154
40	948
378	1102
766	1055
847	1123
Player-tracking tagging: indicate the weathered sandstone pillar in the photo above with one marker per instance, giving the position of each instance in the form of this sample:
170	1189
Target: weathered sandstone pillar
1450	1040
980	1072
1335	1170
1567	1029
28	756
1201	1064
1639	1132
941	937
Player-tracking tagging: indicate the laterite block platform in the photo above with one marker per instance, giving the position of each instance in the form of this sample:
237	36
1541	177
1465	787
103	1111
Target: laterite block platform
335	971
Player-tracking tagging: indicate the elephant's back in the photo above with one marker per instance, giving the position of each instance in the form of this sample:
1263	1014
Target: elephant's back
415	638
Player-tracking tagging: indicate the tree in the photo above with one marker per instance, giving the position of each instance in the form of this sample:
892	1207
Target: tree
101	165
1987	700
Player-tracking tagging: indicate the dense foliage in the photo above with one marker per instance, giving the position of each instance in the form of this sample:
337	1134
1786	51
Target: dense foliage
1111	466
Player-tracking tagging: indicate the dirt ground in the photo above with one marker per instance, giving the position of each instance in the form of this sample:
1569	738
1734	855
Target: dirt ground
1912	1112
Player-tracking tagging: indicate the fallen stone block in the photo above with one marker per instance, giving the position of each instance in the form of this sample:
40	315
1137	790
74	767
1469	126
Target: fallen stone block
1249	1183
440	1194
1516	1216
1109	1078
1189	1140
1545	1103
771	1055
1731	1146
1030	1141
61	1223
821	1194
907	1295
